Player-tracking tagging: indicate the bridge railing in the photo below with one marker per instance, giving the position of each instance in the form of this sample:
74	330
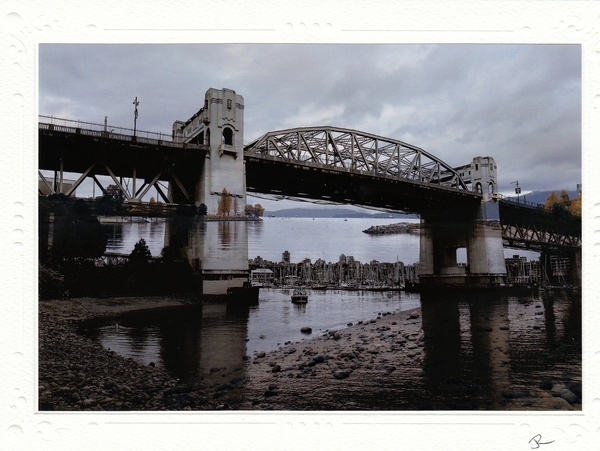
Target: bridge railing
523	202
107	131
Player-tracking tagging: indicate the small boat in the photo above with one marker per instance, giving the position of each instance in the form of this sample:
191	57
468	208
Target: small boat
299	296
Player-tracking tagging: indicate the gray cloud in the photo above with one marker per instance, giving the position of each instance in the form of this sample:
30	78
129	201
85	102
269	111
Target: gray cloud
520	104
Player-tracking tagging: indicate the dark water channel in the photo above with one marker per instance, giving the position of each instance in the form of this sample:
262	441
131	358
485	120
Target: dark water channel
475	347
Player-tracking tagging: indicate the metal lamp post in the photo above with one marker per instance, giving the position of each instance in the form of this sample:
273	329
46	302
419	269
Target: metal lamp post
517	190
135	115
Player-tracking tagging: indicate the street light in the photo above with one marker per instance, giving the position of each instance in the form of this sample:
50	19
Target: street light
135	115
517	190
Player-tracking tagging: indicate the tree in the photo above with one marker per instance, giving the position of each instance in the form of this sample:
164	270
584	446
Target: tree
111	200
558	206
224	203
140	254
114	193
259	210
254	210
77	234
576	207
551	200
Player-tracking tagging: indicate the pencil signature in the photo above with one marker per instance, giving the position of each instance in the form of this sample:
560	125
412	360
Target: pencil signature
536	442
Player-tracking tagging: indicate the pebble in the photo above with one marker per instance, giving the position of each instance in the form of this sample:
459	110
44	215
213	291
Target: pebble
342	374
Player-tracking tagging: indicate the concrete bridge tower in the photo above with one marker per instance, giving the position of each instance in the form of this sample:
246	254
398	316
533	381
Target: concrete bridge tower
219	125
478	231
217	251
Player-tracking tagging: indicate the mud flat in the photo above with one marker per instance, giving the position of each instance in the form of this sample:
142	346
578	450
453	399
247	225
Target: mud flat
378	364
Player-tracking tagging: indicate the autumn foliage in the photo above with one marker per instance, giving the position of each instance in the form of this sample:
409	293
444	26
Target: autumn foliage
561	205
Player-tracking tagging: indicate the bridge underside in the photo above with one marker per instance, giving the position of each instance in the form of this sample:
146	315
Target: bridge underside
268	175
134	158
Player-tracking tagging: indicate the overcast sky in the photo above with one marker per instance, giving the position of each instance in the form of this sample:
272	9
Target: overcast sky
520	104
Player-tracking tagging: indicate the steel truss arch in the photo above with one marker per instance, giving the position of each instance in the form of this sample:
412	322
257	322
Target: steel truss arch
355	150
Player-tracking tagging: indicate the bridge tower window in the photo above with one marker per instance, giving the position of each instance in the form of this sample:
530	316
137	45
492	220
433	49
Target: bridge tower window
478	188
461	256
227	136
491	188
208	136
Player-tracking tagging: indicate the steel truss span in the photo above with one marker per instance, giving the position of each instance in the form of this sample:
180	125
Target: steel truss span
353	150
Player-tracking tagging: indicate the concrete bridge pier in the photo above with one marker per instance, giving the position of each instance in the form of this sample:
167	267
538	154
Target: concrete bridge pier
478	233
216	249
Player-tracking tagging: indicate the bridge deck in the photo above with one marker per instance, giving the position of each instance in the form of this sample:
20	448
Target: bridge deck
78	148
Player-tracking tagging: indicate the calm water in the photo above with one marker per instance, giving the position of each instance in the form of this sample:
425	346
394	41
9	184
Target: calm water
325	238
536	336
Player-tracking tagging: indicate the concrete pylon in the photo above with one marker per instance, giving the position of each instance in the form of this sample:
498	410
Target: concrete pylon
216	250
219	125
477	231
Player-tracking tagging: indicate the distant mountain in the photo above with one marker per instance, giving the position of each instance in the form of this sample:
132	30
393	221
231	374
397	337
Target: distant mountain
332	213
539	197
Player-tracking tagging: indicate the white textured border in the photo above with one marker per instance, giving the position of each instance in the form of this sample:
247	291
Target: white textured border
23	25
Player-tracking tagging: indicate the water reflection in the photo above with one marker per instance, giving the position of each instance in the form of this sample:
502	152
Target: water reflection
481	351
445	364
122	236
217	250
492	348
191	342
300	308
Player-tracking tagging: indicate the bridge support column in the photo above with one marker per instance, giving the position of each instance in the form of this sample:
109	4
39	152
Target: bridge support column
442	233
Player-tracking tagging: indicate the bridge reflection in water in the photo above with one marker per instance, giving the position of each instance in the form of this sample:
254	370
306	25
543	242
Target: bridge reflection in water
192	343
485	351
479	352
216	250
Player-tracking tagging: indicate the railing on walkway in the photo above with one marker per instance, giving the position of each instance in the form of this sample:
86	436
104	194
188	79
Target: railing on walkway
522	202
108	131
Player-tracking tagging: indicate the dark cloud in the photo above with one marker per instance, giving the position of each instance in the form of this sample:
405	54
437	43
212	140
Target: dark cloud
520	104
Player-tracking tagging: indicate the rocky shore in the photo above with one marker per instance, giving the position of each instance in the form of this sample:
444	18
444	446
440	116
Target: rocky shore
76	373
381	362
399	227
378	362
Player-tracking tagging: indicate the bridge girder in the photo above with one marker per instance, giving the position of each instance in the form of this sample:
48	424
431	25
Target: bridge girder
91	152
343	148
525	227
